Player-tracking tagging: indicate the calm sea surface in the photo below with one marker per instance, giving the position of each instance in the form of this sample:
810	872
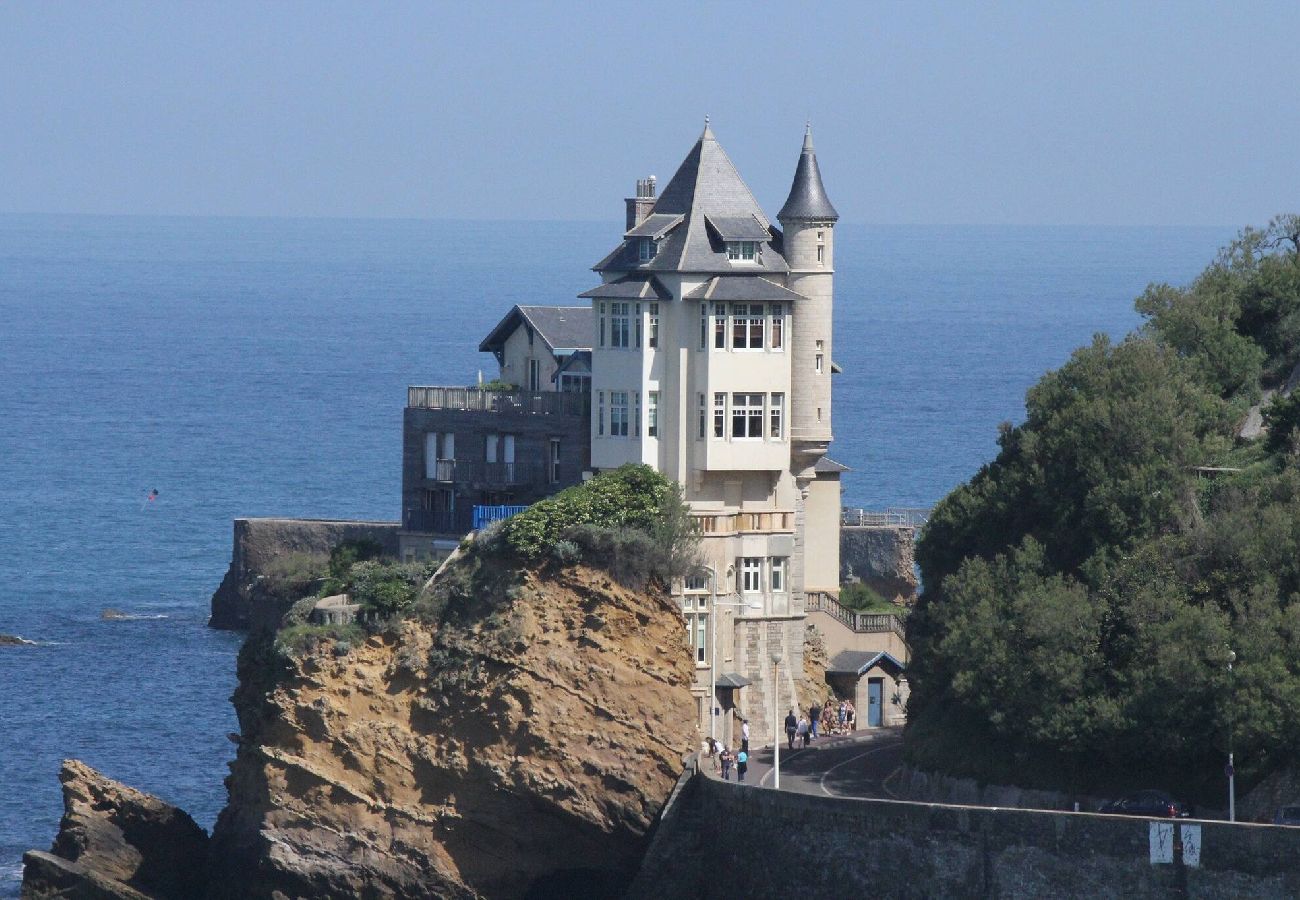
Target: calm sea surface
246	367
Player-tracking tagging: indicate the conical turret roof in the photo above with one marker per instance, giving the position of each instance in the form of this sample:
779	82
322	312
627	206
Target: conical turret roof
807	200
711	204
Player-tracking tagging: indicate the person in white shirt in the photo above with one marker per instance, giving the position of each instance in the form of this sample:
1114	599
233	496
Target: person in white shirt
744	735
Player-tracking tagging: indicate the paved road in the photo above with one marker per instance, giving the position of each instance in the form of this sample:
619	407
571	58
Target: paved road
852	766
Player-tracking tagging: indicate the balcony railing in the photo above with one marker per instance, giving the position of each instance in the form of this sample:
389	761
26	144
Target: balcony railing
518	403
739	523
862	623
439	521
879	518
464	471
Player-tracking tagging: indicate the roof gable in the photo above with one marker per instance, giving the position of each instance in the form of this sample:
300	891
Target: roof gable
561	328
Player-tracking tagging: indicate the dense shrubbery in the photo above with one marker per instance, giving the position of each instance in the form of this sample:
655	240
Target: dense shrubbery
860	597
631	520
294	575
1083	589
388	589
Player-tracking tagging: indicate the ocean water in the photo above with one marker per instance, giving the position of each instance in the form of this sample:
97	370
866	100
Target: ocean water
257	367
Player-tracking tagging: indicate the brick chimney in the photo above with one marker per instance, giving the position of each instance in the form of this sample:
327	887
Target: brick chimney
639	207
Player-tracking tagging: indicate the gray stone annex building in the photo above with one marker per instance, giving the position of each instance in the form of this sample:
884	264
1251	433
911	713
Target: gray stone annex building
705	353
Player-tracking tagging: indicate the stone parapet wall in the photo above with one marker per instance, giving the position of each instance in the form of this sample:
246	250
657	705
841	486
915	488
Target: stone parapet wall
756	842
259	541
882	556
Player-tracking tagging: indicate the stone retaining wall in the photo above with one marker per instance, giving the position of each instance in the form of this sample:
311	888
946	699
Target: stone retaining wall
733	840
258	541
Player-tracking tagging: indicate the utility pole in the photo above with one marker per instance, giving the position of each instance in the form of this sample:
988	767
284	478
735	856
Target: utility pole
1232	721
776	734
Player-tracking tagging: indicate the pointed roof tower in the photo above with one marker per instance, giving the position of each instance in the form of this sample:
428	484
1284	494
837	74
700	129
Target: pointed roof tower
705	204
807	200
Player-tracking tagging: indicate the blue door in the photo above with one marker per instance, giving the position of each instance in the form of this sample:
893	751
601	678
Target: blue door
875	692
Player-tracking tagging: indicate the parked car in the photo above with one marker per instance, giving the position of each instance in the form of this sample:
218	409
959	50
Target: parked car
1287	815
1152	804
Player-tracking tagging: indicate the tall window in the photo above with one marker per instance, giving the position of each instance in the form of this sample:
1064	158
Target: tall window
719	415
652	335
775	411
637	319
618	413
704	325
534	375
742	250
636	413
602	324
751	574
720	326
778	574
646	249
778	326
704	417
652	413
620	325
600	413
555	460
747	326
821	255
746	416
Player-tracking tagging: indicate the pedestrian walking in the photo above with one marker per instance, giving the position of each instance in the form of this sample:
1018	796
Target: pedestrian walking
713	752
814	717
726	764
742	764
850	714
840	713
801	730
791	723
744	735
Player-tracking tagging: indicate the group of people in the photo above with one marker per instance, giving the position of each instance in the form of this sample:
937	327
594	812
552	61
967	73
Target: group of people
727	759
824	718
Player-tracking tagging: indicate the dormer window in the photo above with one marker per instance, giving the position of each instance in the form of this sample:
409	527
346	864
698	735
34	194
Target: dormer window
647	248
745	251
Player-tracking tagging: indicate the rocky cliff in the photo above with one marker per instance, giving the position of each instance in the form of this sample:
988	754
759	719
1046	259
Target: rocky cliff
115	842
881	556
515	737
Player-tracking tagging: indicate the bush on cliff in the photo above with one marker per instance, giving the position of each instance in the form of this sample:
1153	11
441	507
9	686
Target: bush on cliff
1083	590
631	520
388	589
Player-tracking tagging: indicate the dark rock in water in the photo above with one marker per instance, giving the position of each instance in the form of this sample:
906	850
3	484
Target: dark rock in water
117	843
13	640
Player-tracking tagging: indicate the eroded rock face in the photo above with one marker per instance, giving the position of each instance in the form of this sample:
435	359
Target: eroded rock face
116	842
523	739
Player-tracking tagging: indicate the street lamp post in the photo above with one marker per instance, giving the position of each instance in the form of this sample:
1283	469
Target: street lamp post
713	642
776	738
1231	771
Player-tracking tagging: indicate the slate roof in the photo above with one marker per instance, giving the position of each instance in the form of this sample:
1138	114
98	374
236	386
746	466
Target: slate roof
732	680
705	187
742	288
630	288
656	225
807	200
859	662
825	465
578	362
562	328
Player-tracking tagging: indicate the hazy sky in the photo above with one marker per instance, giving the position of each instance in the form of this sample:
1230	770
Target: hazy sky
1044	112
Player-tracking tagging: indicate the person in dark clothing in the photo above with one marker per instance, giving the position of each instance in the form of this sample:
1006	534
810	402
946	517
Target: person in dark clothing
791	725
814	716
